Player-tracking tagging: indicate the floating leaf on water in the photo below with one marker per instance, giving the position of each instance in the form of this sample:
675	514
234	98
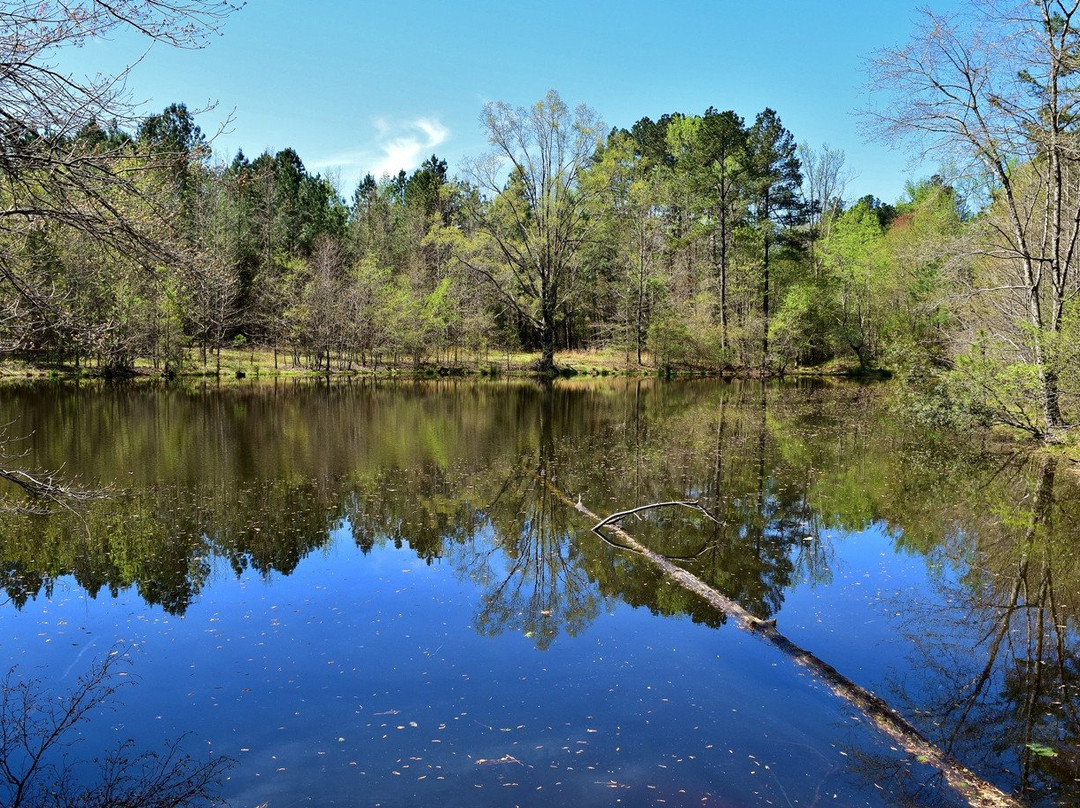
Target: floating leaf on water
495	761
1040	749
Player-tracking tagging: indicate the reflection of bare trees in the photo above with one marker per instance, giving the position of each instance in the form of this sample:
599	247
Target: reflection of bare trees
526	560
533	581
765	533
40	731
814	553
1012	614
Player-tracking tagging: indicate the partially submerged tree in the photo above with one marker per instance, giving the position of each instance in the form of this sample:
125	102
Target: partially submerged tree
999	89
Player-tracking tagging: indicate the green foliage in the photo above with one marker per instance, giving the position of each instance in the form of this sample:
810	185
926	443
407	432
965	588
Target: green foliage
858	280
682	242
996	390
686	234
1041	750
800	329
536	219
689	339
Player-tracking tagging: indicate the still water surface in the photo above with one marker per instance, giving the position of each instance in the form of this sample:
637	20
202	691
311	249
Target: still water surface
372	595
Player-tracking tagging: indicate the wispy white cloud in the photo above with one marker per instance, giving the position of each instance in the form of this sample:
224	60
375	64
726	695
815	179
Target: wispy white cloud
399	145
406	146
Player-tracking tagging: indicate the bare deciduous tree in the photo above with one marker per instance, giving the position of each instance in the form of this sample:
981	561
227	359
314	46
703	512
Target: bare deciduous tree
537	222
50	174
998	89
825	178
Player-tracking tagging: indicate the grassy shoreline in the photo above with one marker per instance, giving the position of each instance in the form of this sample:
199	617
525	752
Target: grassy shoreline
248	364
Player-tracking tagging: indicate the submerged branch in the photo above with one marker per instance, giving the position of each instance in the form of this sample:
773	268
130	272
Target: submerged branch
619	515
976	791
48	486
41	487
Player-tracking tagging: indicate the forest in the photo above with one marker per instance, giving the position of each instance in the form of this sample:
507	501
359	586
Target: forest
697	242
422	518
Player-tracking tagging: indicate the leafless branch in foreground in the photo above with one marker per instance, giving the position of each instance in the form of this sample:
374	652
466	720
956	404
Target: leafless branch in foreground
39	729
43	490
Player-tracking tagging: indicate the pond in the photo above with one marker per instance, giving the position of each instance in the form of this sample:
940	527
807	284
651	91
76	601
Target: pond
382	594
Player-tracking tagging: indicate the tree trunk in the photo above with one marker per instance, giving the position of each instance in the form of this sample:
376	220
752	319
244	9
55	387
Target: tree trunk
547	329
1048	377
723	282
639	314
1051	406
547	350
765	308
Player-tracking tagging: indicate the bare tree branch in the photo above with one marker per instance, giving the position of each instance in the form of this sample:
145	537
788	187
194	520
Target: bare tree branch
38	728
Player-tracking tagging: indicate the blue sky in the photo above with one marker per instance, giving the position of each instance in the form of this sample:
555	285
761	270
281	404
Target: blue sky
362	86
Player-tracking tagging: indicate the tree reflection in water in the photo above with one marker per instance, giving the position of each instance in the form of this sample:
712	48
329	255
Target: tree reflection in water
998	673
262	477
525	555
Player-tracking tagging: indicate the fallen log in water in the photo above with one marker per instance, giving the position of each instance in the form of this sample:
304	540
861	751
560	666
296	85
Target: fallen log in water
978	792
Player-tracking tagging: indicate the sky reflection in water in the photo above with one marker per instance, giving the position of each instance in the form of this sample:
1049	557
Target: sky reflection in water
452	635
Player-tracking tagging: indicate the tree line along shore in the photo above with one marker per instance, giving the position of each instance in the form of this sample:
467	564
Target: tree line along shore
698	242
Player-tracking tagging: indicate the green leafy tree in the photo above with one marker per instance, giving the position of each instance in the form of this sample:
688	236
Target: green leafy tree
535	224
773	181
177	146
715	159
423	190
924	238
858	275
626	250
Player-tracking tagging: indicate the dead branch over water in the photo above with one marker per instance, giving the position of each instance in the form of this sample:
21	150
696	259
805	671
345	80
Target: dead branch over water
978	792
